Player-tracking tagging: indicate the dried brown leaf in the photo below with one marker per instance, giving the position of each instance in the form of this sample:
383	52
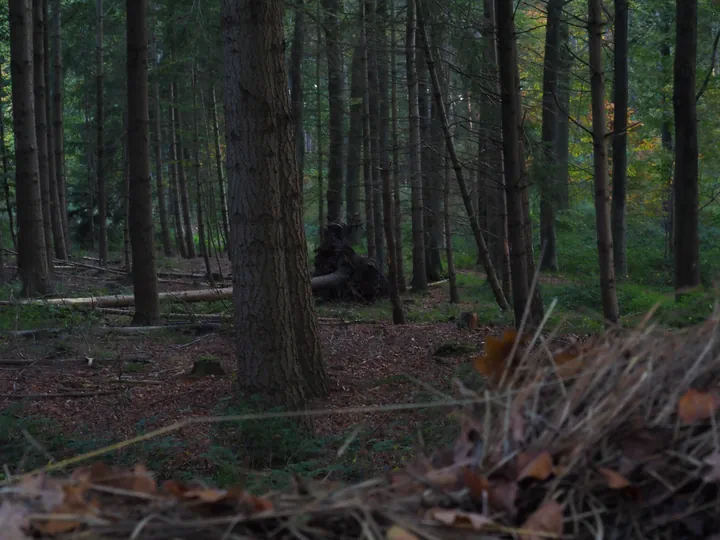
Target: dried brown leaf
539	466
476	484
614	479
545	521
502	495
695	405
75	504
458	518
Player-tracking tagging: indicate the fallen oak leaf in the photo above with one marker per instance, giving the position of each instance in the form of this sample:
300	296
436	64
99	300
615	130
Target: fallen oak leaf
539	467
695	405
546	521
458	518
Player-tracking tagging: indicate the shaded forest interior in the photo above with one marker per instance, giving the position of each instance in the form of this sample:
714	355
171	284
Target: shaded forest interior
334	204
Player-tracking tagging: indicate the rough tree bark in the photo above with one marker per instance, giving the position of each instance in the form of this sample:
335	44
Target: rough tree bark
100	136
182	180
32	254
260	150
619	147
547	171
602	195
419	276
355	139
41	125
59	132
296	83
686	236
198	181
218	166
336	90
457	166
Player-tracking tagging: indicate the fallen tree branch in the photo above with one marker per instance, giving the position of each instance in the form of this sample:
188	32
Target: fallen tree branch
206	327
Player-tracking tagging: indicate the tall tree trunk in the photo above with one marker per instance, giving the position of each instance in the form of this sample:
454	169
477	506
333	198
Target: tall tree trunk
450	147
387	194
41	125
100	137
126	195
32	252
600	169
355	139
373	97
562	137
219	167
160	185
175	194
514	181
547	171
687	241
198	181
182	181
296	85
666	134
452	277
336	90
259	162
619	169
59	132
144	272
90	154
402	285
318	129
58	229
419	277
5	166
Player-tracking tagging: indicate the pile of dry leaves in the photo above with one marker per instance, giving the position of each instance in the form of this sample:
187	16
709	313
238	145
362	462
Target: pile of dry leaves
614	439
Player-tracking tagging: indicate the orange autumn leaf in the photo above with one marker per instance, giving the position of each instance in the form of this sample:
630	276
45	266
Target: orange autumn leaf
696	405
539	466
545	521
492	363
74	503
614	479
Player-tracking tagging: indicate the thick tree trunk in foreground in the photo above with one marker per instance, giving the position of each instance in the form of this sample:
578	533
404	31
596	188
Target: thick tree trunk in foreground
261	157
547	170
514	181
59	133
457	166
41	125
355	139
419	275
619	147
144	272
687	241
602	195
32	253
336	90
100	137
159	183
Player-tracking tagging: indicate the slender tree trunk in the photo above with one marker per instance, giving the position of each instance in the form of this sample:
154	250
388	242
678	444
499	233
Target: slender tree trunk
452	277
41	125
59	132
174	192
318	130
144	272
32	252
100	138
56	221
687	241
374	103
336	90
296	84
602	199
367	150
6	167
90	154
160	186
259	162
127	247
547	167
562	137
402	285
419	277
198	181
218	166
619	169
450	146
182	182
355	140
514	182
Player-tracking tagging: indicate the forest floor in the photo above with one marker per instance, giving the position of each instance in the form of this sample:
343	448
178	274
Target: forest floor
78	391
